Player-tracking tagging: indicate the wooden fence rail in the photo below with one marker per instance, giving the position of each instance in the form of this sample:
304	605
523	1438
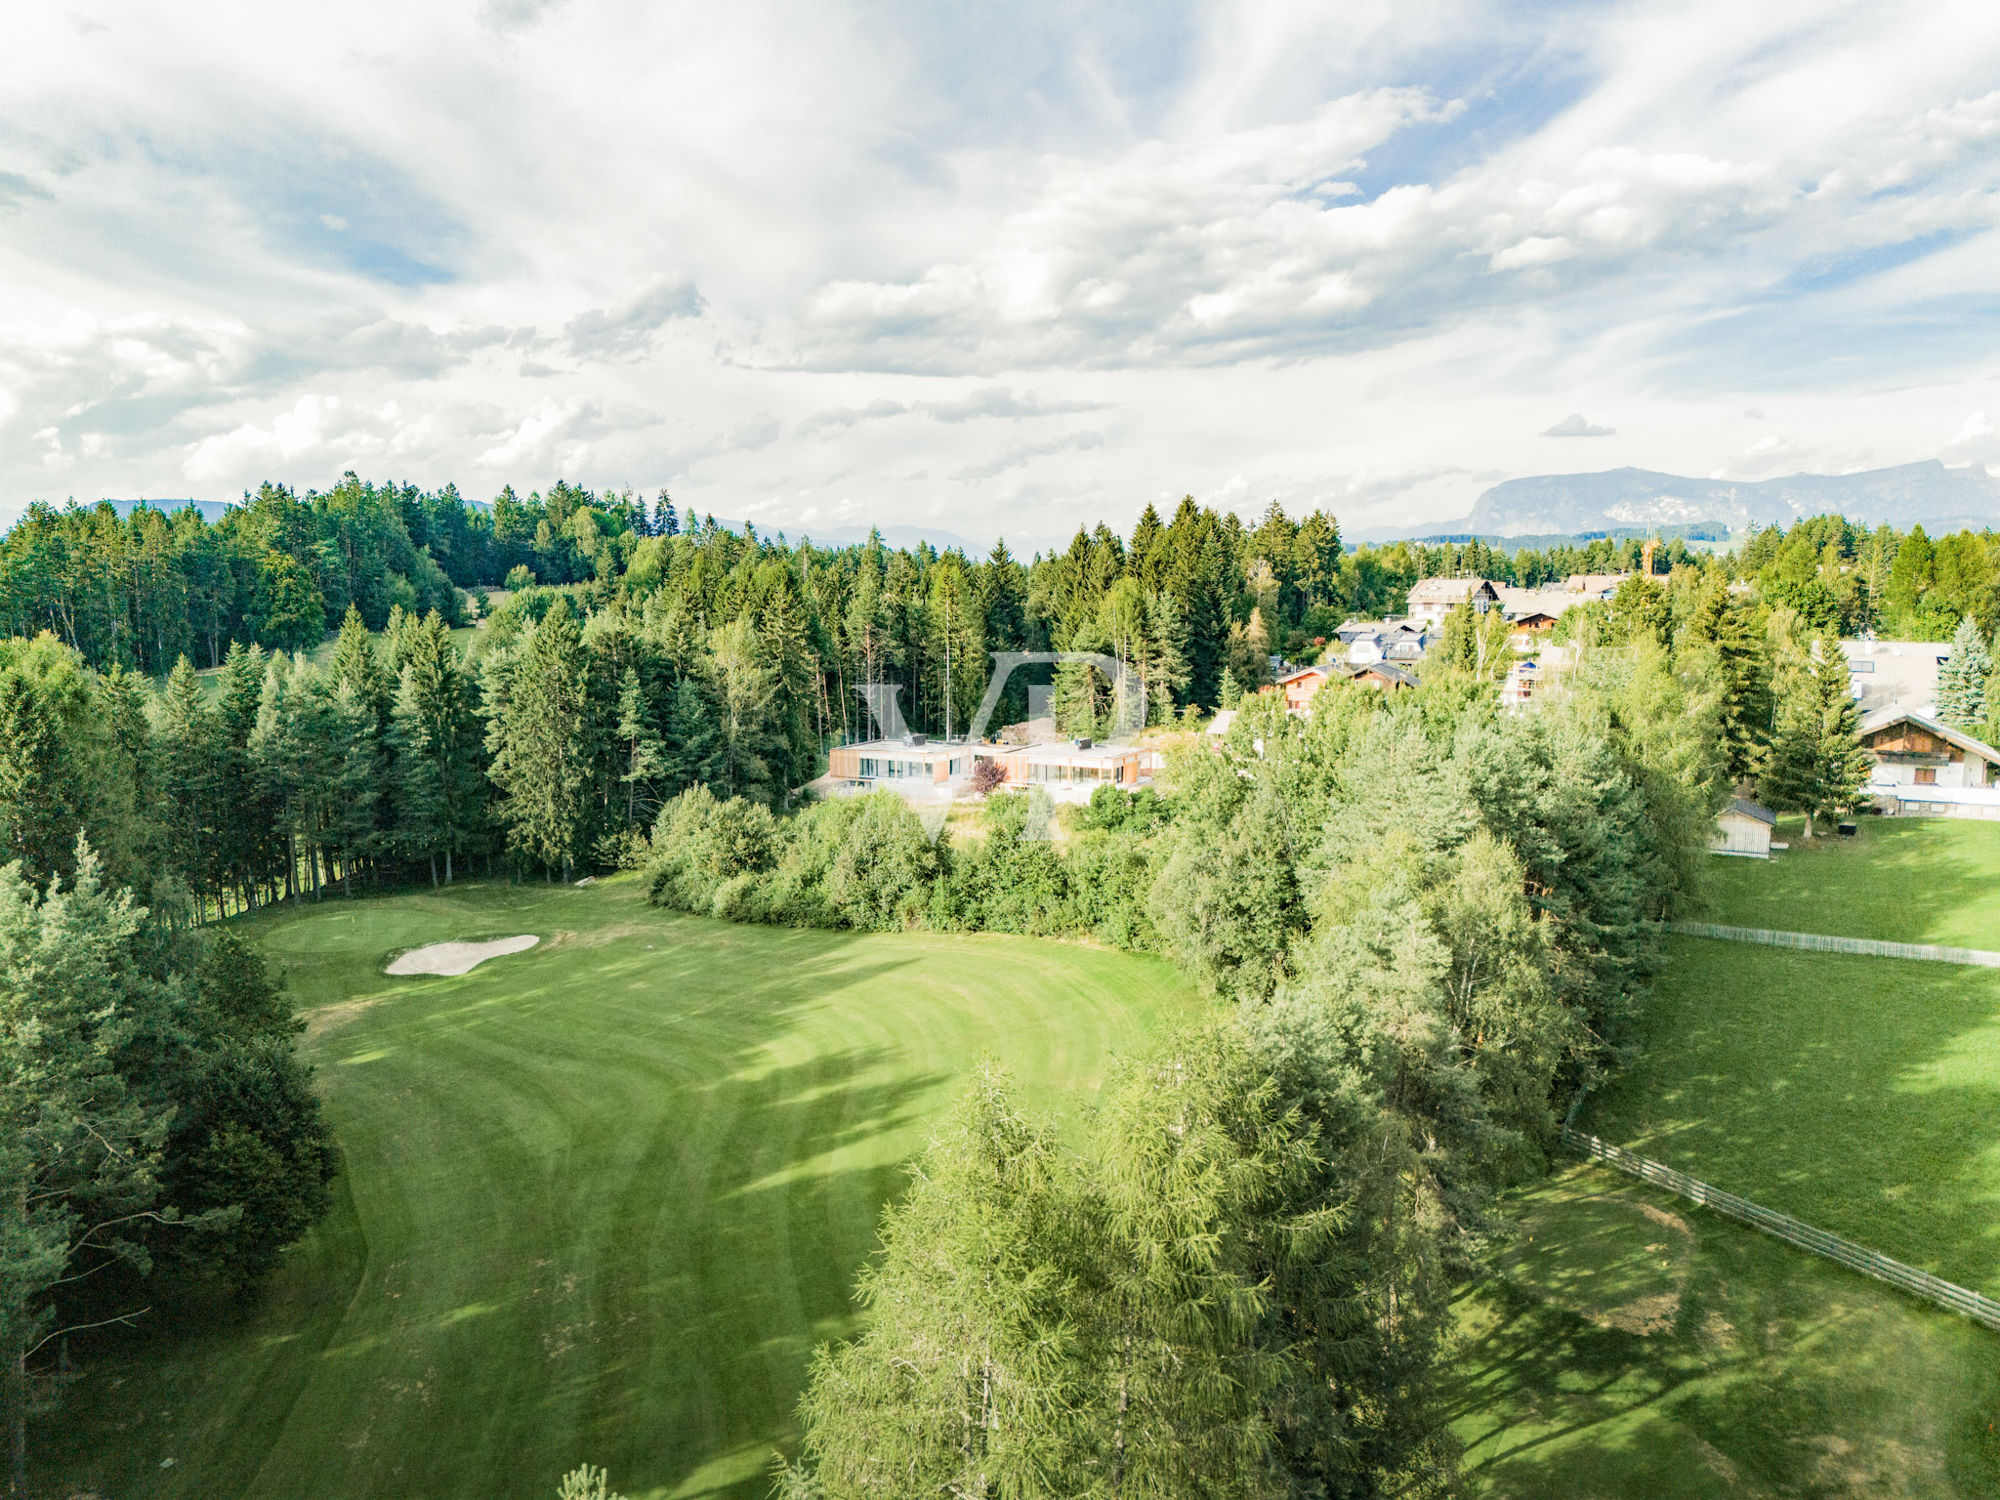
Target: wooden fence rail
1855	1257
1820	942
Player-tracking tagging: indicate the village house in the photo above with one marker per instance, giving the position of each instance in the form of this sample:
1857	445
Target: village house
1743	828
1386	675
1894	674
1434	598
1598	586
1924	767
1299	687
1362	642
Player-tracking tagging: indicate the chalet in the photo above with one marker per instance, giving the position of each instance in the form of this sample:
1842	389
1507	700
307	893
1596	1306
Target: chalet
1434	598
914	759
1925	767
1387	676
1383	640
1743	828
1299	687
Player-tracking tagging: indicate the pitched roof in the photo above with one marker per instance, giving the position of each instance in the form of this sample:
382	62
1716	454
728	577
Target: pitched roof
1448	590
1884	717
1294	676
1751	809
1385	669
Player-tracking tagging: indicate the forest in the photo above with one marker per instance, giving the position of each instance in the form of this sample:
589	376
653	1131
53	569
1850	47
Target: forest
1426	922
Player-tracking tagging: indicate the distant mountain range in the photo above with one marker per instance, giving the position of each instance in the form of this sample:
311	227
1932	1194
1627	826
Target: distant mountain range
1926	493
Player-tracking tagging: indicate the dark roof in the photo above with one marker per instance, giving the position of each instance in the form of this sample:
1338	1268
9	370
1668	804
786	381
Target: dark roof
1751	809
1386	669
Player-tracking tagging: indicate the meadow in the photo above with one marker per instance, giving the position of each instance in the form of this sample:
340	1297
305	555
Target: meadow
600	1199
1625	1343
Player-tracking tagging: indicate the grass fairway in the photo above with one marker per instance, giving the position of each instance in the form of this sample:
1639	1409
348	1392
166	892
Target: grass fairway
600	1200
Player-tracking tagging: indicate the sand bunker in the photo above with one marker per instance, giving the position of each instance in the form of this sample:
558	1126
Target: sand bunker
459	958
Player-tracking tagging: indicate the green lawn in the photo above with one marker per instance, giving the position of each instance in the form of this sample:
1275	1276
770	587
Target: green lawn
1908	880
1629	1345
1859	1094
601	1198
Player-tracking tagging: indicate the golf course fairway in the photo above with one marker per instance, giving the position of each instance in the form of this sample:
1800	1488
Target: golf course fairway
600	1199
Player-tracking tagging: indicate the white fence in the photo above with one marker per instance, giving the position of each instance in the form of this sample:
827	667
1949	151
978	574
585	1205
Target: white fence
1855	1257
1820	942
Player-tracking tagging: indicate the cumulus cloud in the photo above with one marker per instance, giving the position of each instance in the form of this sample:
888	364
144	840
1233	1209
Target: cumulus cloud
1022	454
994	401
1577	425
553	437
628	328
830	254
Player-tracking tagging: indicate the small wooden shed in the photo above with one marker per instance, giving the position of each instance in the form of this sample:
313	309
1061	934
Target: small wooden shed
1744	828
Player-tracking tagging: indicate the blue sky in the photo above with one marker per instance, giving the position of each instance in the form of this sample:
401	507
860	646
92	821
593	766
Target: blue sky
996	270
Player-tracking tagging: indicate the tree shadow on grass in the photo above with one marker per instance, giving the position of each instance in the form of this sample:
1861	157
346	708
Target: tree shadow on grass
1857	1094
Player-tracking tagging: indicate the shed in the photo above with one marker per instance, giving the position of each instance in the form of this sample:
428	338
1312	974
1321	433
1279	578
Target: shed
1744	828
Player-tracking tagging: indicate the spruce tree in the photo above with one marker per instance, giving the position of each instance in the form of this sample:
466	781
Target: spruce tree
439	780
1961	690
1816	764
645	753
542	750
691	754
191	764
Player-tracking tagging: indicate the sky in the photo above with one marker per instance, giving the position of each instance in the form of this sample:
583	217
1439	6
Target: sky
993	270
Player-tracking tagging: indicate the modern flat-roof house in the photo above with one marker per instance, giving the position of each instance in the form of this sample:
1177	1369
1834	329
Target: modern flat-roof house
1743	828
1075	765
1434	598
915	759
1924	767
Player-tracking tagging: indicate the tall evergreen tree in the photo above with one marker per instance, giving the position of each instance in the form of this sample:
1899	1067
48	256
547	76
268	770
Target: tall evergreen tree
1961	690
440	782
1816	765
191	767
541	746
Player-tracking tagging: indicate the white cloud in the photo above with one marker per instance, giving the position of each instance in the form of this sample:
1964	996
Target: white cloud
1577	425
815	257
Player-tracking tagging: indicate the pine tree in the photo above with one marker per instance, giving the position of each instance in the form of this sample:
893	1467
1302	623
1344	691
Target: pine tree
440	783
191	760
1816	764
750	745
1961	691
351	772
78	1152
691	754
40	814
645	751
1721	623
542	750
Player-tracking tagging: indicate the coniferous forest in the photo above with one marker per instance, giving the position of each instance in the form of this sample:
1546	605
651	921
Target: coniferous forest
1427	923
